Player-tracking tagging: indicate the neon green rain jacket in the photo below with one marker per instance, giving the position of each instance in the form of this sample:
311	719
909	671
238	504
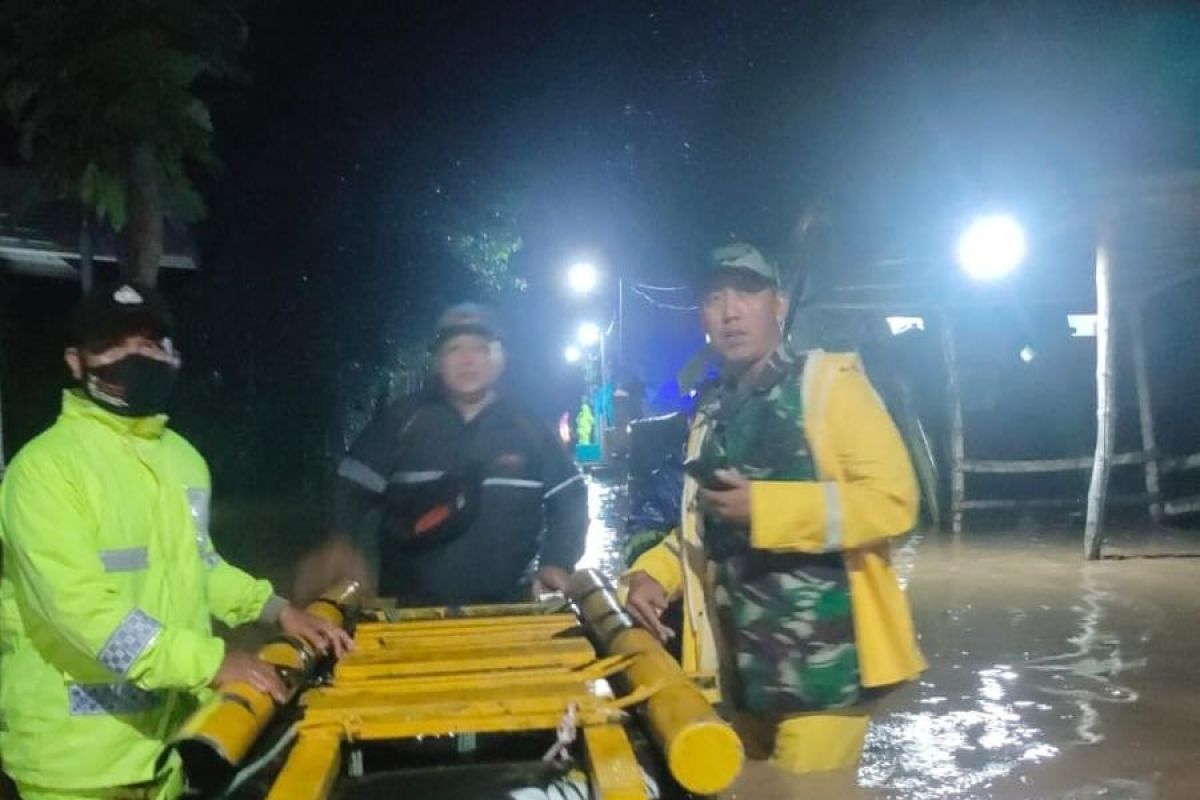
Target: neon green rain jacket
109	583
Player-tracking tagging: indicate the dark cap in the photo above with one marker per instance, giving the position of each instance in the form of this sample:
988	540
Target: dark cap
468	318
741	257
105	317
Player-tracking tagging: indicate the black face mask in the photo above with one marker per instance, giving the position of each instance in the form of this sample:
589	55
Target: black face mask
135	386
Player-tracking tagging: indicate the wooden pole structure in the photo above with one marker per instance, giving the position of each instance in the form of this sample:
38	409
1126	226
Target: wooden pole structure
1141	375
1093	536
957	447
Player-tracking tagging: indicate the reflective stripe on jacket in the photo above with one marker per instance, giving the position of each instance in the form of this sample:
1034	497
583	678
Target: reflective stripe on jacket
108	586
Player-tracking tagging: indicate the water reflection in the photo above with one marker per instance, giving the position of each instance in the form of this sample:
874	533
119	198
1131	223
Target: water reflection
606	511
952	750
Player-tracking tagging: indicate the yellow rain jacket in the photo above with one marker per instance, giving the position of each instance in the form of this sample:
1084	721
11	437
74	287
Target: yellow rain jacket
109	583
865	496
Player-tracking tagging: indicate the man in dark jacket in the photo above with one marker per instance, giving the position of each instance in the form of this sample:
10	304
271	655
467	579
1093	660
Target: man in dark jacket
479	502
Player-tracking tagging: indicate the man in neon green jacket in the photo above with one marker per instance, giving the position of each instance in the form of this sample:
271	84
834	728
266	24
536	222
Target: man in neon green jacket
110	578
797	483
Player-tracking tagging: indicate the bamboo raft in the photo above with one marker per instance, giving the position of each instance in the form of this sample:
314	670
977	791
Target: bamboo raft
573	669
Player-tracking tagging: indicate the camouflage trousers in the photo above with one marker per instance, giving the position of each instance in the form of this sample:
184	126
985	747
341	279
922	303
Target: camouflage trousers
788	620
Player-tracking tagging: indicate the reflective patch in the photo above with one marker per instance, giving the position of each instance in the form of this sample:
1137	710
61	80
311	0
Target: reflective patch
200	501
568	482
208	553
128	641
110	698
833	518
518	483
416	477
125	559
357	472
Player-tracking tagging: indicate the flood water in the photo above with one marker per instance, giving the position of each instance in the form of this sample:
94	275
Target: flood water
1050	677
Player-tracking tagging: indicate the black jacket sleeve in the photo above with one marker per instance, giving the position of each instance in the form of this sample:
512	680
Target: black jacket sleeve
363	474
566	506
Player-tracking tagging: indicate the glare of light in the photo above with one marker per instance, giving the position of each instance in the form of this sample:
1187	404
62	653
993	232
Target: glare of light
582	277
589	334
572	354
1082	325
899	325
603	550
1028	354
991	247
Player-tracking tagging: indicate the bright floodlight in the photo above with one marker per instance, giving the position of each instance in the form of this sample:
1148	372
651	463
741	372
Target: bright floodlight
1082	324
899	325
572	354
589	334
991	247
582	277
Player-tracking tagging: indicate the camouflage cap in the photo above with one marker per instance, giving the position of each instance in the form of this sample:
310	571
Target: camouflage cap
745	257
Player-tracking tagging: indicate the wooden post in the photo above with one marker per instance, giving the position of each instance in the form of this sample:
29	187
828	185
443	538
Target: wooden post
1093	535
957	446
1141	375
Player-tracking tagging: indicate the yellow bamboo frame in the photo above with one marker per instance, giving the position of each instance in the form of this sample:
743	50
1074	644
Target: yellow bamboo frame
505	669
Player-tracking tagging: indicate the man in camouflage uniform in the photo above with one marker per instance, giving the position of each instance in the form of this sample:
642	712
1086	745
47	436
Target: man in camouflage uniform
797	480
786	616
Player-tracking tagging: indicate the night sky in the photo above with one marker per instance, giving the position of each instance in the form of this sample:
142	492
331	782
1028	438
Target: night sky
638	134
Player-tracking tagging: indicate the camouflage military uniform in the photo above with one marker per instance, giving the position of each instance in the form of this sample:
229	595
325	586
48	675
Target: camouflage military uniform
787	616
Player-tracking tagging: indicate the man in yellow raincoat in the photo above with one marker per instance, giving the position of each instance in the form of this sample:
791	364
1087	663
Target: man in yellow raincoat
798	480
110	579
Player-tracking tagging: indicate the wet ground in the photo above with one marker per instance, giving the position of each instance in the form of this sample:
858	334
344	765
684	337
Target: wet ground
1050	678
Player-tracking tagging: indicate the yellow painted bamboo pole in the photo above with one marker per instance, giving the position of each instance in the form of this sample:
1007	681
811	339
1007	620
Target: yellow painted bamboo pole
470	657
214	740
468	612
703	753
613	767
311	768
